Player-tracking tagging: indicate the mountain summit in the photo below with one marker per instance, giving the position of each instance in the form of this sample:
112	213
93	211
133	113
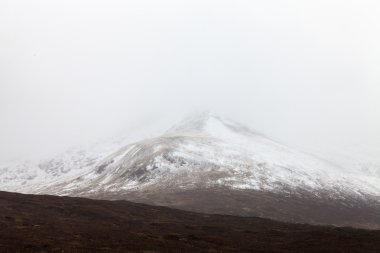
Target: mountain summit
208	124
210	164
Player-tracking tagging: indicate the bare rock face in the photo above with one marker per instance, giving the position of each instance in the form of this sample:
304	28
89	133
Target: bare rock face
214	165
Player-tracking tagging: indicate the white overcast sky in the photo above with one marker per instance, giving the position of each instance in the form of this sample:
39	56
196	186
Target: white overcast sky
305	72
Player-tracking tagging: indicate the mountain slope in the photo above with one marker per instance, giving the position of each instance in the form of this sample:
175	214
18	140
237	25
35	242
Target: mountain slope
208	151
210	164
17	174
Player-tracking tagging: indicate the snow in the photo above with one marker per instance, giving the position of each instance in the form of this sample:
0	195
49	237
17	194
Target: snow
202	151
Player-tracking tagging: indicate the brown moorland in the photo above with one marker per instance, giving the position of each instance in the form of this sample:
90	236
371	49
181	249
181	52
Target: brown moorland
36	223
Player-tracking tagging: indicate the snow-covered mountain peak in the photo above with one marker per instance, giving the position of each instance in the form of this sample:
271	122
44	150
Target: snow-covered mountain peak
204	150
210	125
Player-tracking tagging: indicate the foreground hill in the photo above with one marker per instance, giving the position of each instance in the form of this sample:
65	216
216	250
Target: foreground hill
31	223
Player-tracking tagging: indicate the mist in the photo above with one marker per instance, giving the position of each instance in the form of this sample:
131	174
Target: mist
304	72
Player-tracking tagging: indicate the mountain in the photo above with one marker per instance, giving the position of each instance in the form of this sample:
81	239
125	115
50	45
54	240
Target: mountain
210	164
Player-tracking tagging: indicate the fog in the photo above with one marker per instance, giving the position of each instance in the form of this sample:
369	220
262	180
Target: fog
305	72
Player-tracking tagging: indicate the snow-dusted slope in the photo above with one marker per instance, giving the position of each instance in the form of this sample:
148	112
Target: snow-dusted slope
207	151
17	175
210	164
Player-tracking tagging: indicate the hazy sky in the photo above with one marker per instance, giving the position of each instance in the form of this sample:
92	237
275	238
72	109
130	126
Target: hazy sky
305	72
